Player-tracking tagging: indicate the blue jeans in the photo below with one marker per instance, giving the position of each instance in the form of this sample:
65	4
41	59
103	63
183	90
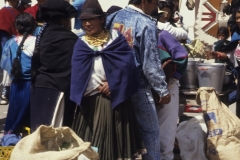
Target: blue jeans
146	114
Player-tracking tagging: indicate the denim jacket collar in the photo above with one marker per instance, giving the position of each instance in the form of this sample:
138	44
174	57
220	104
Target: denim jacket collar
135	8
132	7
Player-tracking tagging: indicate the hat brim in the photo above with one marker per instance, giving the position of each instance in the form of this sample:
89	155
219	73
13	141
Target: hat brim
89	16
160	11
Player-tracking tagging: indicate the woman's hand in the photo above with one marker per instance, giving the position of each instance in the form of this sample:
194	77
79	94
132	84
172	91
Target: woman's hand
220	55
104	89
165	100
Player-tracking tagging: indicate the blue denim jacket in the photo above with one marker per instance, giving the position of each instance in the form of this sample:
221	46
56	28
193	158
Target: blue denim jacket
141	33
78	6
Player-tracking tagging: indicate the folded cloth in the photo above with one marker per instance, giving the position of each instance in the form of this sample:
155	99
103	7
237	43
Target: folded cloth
10	139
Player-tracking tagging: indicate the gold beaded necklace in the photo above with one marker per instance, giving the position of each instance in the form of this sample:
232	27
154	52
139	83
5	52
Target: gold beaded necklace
97	40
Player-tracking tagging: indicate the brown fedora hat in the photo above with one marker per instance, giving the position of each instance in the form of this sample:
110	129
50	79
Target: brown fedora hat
91	9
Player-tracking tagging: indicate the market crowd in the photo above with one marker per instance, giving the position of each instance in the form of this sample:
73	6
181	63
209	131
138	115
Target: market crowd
114	79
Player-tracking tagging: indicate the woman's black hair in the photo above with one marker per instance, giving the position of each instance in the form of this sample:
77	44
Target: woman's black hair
167	4
223	30
237	10
227	9
170	2
231	8
137	2
25	24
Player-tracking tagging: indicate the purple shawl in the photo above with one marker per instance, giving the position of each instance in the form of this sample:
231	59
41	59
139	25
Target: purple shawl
119	66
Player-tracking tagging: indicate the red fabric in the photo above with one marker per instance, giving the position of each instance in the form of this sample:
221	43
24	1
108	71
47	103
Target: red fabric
32	10
7	20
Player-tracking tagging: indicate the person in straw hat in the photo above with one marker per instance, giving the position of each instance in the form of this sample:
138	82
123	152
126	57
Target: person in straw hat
104	77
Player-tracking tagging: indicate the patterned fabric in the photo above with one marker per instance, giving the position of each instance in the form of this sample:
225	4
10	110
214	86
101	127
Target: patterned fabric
143	40
37	30
170	48
40	33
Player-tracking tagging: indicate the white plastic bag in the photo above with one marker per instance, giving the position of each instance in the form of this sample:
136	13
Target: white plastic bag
191	136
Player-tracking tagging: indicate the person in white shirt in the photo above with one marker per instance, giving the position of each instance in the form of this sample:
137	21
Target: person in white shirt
162	17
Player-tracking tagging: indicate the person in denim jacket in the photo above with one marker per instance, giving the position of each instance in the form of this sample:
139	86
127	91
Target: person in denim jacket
140	31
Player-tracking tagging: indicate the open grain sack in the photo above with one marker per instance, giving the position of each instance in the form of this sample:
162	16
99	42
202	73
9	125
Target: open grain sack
223	137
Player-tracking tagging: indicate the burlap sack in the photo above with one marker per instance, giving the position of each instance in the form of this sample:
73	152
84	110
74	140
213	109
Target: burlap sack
48	143
223	142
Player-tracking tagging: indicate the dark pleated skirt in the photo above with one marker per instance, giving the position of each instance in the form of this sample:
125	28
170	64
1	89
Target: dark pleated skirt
18	115
43	103
114	132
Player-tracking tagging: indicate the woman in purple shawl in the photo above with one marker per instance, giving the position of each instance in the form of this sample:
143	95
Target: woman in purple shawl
104	77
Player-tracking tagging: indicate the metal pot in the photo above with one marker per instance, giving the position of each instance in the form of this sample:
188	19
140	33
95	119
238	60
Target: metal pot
190	79
211	75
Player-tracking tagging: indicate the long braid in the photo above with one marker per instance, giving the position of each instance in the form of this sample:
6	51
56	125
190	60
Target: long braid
36	54
16	70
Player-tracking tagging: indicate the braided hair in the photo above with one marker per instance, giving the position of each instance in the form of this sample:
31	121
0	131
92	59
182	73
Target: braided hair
25	24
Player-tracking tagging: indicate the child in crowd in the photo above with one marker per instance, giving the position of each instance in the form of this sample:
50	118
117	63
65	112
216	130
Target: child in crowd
163	14
222	35
231	53
7	28
16	60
